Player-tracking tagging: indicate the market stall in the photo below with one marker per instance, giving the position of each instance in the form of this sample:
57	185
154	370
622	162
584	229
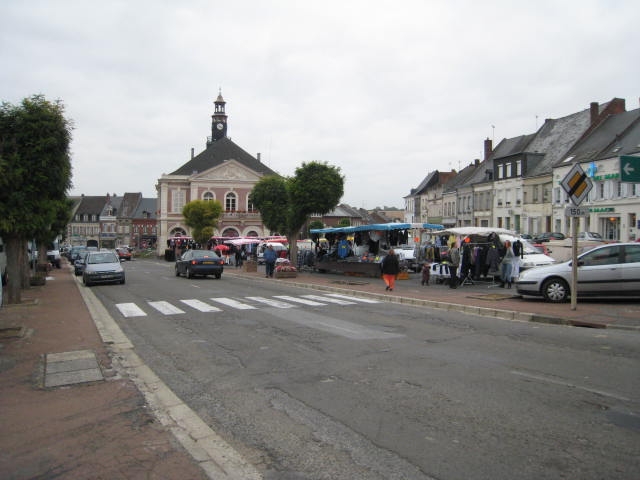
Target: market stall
358	250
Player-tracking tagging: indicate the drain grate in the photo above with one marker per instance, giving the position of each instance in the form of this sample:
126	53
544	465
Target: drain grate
69	368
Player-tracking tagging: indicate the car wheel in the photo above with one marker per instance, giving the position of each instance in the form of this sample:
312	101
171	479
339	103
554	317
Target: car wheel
122	281
177	271
218	275
189	274
86	282
555	290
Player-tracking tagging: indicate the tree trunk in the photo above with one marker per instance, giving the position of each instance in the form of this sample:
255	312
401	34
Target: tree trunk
15	257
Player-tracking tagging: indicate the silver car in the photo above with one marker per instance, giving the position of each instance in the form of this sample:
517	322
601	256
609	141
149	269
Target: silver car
611	270
102	267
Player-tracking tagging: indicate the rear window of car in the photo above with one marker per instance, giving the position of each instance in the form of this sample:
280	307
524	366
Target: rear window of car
105	257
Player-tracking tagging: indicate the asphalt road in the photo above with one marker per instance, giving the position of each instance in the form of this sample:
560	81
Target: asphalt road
348	389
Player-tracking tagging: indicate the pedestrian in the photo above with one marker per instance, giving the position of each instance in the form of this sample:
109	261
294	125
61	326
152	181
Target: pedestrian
518	255
426	273
506	265
239	255
454	263
270	257
390	269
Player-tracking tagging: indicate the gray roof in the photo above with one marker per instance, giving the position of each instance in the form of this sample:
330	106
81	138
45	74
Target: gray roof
506	148
554	139
91	205
616	130
148	205
216	154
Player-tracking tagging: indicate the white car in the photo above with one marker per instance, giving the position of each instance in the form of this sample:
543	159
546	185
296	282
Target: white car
102	267
532	256
610	270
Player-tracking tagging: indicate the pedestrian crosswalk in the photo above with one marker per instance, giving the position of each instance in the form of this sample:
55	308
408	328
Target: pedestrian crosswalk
218	304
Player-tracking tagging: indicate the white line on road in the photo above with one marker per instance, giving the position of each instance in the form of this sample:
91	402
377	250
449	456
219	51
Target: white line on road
330	300
200	305
542	378
347	297
130	310
166	308
304	301
230	302
271	302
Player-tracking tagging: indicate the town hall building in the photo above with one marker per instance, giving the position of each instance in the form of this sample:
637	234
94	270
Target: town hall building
223	172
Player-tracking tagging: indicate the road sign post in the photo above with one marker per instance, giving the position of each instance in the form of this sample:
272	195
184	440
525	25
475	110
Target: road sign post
577	185
629	169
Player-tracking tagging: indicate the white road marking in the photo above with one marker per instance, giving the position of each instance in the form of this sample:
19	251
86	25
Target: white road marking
330	300
300	300
357	299
230	302
200	305
271	302
166	308
130	310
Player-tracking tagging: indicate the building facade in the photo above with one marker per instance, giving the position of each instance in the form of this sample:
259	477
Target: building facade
223	172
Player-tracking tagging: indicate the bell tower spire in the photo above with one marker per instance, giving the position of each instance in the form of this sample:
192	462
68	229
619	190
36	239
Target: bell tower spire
219	119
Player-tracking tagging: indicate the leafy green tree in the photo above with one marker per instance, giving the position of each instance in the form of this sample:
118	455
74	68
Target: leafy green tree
316	224
344	222
286	204
35	175
202	216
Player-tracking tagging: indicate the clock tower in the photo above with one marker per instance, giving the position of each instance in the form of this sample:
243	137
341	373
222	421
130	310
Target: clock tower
219	119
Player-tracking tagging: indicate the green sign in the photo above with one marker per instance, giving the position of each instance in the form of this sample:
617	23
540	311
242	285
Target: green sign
629	169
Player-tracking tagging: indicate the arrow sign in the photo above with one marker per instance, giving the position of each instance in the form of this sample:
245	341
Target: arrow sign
629	169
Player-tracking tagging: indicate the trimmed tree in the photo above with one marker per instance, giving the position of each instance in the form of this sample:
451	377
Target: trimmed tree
286	204
35	174
202	216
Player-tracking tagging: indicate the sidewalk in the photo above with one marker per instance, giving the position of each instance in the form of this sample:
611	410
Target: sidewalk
67	411
481	298
99	428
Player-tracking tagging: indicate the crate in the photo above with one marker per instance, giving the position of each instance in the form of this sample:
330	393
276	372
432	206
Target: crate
285	274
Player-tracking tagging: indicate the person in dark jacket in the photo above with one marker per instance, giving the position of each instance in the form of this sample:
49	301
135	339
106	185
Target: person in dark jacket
390	269
454	259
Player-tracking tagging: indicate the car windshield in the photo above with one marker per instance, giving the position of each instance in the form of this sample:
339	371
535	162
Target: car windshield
529	248
106	257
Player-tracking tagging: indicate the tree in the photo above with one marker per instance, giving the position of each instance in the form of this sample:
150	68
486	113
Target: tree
286	204
202	216
35	175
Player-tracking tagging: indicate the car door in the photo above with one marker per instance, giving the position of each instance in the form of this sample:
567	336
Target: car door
600	271
631	270
182	262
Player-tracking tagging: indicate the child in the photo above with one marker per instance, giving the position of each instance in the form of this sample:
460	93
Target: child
426	272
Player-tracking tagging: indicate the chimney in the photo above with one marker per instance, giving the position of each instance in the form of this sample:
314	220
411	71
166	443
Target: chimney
476	162
594	109
488	148
191	153
258	156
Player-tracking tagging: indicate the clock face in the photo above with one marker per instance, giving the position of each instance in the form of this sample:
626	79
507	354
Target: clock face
219	126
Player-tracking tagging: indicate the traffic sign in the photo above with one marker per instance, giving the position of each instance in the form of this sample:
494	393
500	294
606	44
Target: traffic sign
629	169
576	211
577	184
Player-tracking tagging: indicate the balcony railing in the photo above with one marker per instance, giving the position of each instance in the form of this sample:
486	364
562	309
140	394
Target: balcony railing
240	214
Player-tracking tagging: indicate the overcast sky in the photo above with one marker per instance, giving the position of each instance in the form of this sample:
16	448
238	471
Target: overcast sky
387	91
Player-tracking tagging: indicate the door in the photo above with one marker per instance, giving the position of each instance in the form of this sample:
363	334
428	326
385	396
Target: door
600	271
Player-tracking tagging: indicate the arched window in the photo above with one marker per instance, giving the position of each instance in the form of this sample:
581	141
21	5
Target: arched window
207	197
230	202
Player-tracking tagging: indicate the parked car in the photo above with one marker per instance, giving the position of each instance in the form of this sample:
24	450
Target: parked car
102	267
406	254
526	236
123	253
590	236
74	253
611	270
78	264
199	262
546	236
